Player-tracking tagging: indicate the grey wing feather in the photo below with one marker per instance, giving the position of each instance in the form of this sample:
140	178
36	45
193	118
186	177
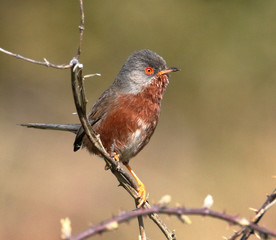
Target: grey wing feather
80	134
97	113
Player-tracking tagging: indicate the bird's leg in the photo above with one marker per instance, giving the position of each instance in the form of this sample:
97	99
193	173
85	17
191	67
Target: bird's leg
141	187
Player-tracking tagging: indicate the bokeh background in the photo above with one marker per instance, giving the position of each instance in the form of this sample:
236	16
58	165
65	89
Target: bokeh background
216	134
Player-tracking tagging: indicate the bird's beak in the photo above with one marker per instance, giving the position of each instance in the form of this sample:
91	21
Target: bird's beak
168	70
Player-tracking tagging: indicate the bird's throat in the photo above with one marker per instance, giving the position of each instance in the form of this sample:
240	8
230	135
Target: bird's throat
155	90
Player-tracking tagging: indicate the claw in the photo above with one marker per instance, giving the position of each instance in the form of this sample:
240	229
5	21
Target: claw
115	156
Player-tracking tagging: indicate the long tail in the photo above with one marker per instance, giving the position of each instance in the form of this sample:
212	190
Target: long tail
61	127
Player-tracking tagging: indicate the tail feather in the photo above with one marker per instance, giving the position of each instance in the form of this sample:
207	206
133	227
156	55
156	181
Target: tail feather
61	127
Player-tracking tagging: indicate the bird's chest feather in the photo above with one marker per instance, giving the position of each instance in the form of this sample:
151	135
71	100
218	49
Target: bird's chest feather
127	128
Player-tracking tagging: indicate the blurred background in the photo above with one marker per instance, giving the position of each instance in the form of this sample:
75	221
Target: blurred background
216	134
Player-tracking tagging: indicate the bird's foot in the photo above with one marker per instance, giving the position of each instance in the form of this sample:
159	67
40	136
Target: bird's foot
115	157
141	194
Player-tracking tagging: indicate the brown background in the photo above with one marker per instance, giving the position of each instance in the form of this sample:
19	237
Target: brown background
217	130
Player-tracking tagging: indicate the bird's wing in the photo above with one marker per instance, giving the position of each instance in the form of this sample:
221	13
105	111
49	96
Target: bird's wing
103	105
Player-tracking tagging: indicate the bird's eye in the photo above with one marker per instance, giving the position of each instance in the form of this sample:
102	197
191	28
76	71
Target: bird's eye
149	70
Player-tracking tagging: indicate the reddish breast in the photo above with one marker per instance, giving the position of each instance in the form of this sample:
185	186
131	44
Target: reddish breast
127	128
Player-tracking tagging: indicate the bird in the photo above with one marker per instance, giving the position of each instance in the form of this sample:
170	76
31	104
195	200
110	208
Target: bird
125	116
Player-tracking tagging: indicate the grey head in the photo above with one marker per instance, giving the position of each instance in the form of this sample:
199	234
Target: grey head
138	71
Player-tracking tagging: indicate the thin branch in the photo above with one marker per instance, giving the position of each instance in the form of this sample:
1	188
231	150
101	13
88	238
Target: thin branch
245	232
141	226
177	211
45	63
81	28
270	201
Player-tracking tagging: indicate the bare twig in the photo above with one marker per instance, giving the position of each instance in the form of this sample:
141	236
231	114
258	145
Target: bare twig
177	211
141	225
45	63
245	232
81	28
270	201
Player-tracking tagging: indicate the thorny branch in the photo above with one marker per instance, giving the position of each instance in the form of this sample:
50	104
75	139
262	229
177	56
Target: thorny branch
245	232
113	223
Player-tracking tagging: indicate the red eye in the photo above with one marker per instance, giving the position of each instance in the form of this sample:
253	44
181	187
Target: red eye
149	70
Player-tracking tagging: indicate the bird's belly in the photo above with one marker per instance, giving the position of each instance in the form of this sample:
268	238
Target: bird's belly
125	137
135	144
